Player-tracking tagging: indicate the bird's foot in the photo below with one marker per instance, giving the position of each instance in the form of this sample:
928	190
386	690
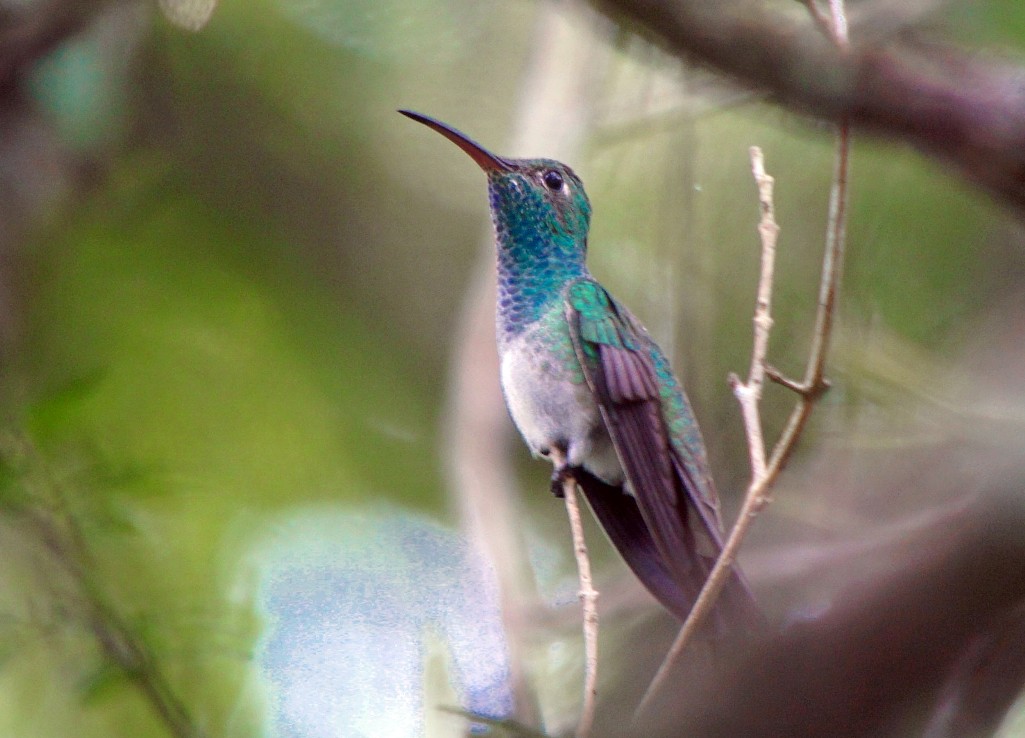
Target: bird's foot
562	470
559	477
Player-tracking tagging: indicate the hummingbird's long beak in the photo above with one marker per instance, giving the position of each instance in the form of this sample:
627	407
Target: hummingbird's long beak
484	158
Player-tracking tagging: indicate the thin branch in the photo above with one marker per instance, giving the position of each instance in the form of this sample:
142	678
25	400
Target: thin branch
764	476
814	384
820	18
749	394
129	652
839	17
588	602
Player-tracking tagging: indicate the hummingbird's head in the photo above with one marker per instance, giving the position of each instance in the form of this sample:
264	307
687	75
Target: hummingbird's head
542	195
530	199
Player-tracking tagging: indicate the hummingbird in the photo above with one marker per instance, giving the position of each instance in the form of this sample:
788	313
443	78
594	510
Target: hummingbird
588	388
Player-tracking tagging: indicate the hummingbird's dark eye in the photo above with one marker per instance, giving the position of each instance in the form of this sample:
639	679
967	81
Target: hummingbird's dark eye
553	180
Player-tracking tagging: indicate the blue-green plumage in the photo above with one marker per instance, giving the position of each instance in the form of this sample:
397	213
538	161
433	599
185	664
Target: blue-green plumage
587	386
540	254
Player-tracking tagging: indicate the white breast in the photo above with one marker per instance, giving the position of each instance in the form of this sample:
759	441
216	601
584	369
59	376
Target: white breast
549	409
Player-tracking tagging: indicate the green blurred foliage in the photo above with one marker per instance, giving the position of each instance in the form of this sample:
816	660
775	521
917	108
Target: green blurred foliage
249	310
206	354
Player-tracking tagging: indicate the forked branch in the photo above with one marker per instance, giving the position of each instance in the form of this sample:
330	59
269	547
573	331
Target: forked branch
764	475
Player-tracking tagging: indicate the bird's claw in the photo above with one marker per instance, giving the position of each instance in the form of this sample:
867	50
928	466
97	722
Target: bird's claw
559	477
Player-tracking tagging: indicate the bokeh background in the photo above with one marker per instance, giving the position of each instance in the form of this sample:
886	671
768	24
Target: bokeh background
234	283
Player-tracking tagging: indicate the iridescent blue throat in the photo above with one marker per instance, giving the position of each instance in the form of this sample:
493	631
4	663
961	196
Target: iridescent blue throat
539	251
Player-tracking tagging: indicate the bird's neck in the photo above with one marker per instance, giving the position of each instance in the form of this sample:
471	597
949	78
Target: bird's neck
533	268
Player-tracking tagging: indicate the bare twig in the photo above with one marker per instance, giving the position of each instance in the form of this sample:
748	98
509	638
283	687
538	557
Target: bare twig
749	393
814	383
588	602
129	652
839	17
820	18
763	475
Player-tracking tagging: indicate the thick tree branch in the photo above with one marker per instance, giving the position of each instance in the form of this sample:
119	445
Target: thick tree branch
928	645
967	110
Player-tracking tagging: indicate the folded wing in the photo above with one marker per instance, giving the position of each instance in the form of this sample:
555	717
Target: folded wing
669	531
